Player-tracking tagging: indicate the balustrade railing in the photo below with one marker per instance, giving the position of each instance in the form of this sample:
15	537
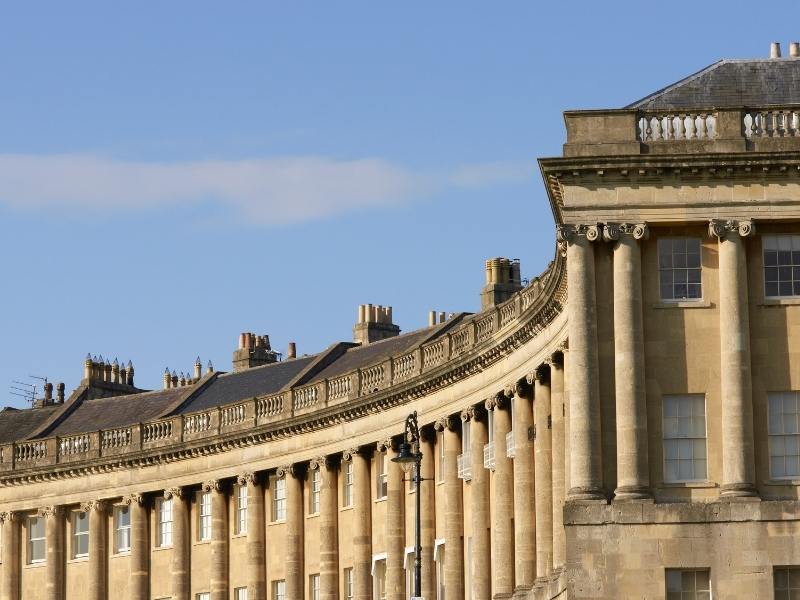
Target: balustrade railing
73	444
197	422
30	451
485	327
405	366
372	379
771	123
233	415
460	341
305	397
340	387
116	438
464	464
156	431
488	456
670	127
269	406
433	354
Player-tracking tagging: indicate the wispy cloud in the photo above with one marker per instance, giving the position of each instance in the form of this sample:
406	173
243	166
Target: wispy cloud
267	191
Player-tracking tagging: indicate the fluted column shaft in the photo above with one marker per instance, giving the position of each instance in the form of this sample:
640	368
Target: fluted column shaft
98	550
12	559
294	532
256	534
54	542
328	529
395	528
219	540
633	479
453	513
525	525
557	443
479	498
140	549
502	503
585	448
738	467
544	474
362	526
428	512
180	564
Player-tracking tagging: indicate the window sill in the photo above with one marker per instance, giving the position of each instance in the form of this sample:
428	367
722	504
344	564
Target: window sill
35	565
789	481
160	548
702	484
241	534
201	542
780	302
344	508
78	559
121	554
280	522
381	499
312	515
684	304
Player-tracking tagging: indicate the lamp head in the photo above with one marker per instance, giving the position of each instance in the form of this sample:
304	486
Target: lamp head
405	457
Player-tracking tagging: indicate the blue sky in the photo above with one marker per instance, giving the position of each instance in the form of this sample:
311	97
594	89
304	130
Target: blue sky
173	174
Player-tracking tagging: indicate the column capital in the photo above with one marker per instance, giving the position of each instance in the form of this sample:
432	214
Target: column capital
211	485
135	499
10	516
320	462
247	478
50	511
475	412
389	443
612	232
350	454
176	492
292	470
445	422
522	388
722	228
499	401
100	506
540	373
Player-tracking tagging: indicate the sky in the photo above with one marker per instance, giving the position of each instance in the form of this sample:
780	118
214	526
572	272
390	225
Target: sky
172	174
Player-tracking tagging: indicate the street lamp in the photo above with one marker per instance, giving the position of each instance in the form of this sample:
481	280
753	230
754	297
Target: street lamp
409	457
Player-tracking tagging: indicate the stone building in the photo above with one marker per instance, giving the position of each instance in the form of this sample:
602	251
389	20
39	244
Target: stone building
623	426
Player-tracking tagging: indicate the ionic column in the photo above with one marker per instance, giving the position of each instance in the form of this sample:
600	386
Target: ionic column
525	508
479	503
544	475
633	479
293	475
9	587
256	557
502	501
97	588
362	524
453	510
395	525
586	475
738	467
54	543
180	563
139	581
219	539
428	511
557	410
328	528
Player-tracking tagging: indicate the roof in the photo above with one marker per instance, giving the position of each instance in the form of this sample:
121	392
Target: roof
116	411
257	381
17	424
730	83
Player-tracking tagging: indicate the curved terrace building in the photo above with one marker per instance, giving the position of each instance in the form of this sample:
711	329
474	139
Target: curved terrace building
626	425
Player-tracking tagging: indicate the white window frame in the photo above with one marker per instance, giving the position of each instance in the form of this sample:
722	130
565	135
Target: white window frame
38	541
278	589
278	496
438	559
409	558
789	588
203	596
490	426
316	488
347	484
776	241
164	515
79	536
671	433
382	475
680	571
673	268
441	455
313	586
240	593
240	525
204	519
783	429
379	576
122	533
348	590
466	439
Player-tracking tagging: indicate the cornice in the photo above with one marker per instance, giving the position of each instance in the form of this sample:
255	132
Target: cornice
533	320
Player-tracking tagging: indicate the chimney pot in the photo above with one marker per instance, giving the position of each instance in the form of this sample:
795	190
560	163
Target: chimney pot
291	352
432	318
361	315
775	50
60	393
794	49
368	311
442	317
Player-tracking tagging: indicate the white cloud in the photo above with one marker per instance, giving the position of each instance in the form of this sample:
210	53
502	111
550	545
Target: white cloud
265	191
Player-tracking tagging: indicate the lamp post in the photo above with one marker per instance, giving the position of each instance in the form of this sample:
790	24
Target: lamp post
409	457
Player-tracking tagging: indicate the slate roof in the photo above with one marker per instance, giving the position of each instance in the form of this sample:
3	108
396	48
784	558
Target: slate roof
231	387
731	83
18	424
117	411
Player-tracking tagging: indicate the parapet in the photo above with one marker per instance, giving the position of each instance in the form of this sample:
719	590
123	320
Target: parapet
374	323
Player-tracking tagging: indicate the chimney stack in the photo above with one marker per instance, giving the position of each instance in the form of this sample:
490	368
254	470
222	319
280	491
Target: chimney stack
775	50
503	279
374	323
291	352
48	393
60	393
794	49
254	351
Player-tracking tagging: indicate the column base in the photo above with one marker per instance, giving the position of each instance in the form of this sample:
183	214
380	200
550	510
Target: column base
521	592
632	492
586	494
739	491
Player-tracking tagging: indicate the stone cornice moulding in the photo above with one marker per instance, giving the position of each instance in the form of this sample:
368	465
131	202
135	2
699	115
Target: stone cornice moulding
548	305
